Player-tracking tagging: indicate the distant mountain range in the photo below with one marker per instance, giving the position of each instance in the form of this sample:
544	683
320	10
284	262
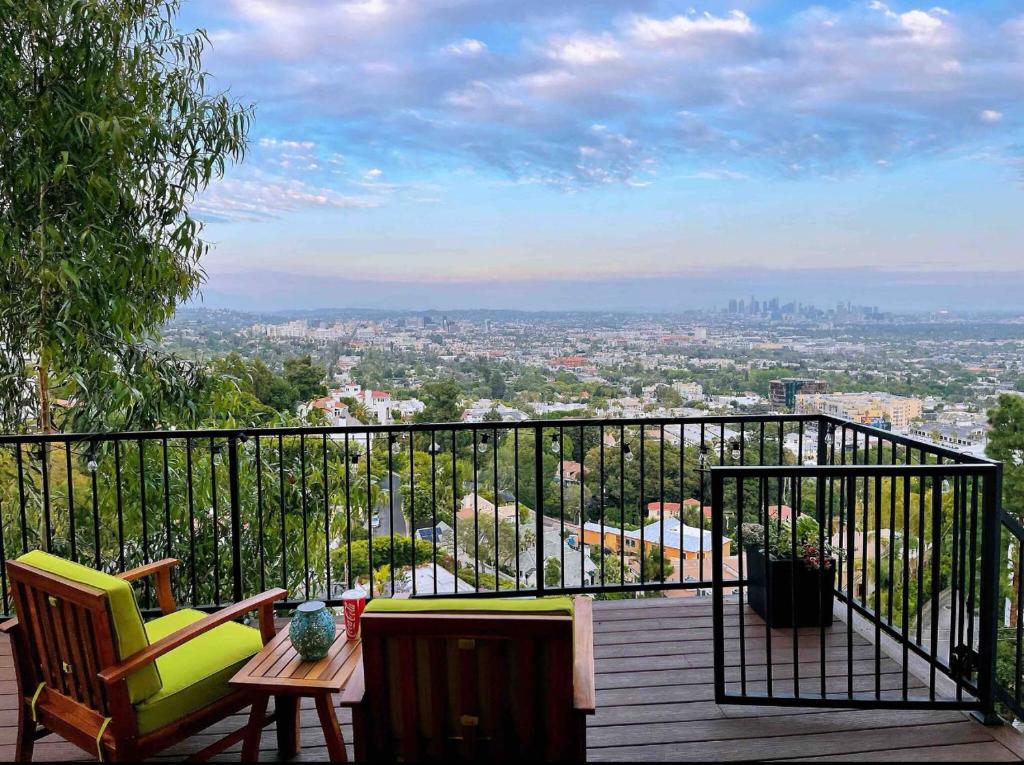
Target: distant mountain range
896	291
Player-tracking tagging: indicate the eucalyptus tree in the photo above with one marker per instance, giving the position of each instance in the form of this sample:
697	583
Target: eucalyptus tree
109	127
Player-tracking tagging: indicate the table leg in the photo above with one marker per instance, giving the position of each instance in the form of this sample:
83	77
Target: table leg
254	731
289	741
332	731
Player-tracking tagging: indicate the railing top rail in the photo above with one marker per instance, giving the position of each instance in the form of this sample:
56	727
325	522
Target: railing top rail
914	443
398	428
839	471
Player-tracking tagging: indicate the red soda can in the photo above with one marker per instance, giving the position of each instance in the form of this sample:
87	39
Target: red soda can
354	601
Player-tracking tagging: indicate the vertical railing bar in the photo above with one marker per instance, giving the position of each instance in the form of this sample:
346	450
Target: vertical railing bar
878	586
561	502
369	511
190	499
661	516
281	503
515	490
476	519
794	516
391	508
97	547
348	517
433	511
973	551
538	482
412	510
622	504
643	504
497	501
169	543
990	581
579	532
601	492
259	514
954	585
936	568
905	626
19	462
145	519
892	541
701	474
867	524
214	450
3	567
44	459
718	602
305	515
819	501
72	531
718	599
455	510
765	498
235	498
327	524
920	549
851	516
739	553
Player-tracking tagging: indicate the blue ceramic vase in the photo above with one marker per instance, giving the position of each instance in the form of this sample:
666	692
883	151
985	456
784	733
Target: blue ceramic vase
312	630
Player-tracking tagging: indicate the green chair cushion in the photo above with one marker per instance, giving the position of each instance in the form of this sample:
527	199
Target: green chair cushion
561	604
197	673
129	631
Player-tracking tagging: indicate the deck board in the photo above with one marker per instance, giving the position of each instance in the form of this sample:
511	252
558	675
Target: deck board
654	662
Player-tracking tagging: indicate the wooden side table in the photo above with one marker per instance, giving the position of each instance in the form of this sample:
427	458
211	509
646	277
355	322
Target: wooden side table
279	671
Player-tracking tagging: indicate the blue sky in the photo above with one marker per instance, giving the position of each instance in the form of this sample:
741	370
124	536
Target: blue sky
449	140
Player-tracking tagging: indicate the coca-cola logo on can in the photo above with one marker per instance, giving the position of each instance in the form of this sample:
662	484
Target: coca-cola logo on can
353	601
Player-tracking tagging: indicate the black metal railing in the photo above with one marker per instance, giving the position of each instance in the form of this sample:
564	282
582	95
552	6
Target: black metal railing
926	560
486	507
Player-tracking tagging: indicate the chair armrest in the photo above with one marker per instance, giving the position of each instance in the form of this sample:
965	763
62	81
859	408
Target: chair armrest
148	655
7	627
584	693
161	570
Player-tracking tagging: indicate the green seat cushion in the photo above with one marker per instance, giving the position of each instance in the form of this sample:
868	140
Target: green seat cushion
129	631
561	604
197	673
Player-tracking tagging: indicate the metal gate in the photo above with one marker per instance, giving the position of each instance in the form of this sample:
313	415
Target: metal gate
859	585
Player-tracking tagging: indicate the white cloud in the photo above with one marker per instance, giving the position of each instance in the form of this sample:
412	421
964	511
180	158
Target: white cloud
466	47
990	116
585	49
685	28
274	143
257	199
373	174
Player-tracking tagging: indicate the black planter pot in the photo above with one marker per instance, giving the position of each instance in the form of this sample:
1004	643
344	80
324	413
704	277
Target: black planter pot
786	593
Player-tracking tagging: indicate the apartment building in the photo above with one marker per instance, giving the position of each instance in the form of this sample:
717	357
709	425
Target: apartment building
876	409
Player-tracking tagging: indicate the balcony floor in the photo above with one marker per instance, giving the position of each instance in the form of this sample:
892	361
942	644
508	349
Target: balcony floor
656	702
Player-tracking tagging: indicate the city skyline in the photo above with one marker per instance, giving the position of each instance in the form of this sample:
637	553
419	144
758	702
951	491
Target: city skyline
514	143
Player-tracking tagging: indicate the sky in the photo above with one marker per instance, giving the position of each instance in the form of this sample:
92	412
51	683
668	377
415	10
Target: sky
620	153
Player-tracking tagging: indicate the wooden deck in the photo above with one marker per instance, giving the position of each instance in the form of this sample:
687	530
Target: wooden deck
656	702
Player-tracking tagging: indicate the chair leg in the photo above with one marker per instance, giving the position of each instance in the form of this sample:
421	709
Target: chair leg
26	735
254	732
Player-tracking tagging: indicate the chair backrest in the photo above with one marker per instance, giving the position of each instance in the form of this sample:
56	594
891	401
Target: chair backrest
469	686
76	622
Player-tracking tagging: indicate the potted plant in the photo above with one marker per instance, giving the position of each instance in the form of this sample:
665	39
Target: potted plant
791	583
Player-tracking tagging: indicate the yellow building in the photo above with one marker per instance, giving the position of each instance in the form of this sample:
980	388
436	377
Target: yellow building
865	408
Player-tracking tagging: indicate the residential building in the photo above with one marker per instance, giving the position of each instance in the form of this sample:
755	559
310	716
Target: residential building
865	408
783	392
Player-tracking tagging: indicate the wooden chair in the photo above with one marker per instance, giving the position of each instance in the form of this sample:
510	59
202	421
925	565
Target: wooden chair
91	671
505	680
